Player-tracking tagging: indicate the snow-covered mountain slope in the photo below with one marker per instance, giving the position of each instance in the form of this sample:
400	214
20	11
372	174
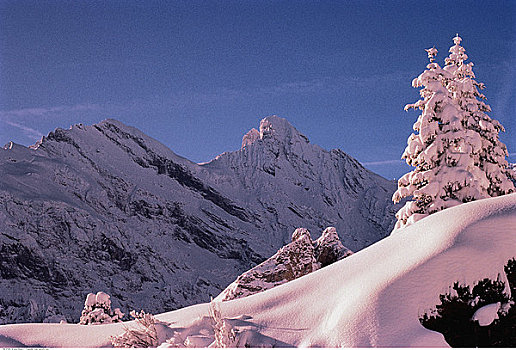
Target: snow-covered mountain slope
280	173
108	208
372	298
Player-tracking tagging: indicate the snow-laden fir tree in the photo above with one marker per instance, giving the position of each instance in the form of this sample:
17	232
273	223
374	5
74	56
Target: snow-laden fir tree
456	151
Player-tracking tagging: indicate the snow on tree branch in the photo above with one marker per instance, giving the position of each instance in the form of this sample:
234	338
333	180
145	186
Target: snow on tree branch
97	310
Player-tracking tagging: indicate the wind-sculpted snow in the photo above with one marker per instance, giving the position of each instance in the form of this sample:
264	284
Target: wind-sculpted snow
107	208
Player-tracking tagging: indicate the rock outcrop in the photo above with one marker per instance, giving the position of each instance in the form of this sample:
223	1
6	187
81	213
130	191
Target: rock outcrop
298	258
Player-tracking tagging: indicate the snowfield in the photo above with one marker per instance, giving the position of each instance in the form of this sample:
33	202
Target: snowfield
372	298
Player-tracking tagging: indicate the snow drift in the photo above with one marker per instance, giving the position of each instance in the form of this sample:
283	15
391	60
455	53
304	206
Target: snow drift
372	298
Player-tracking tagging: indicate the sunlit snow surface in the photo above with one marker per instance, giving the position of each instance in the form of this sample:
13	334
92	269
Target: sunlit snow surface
372	298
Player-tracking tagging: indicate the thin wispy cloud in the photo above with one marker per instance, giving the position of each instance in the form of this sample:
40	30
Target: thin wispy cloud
46	111
27	121
185	100
336	82
297	87
381	78
27	131
227	95
385	162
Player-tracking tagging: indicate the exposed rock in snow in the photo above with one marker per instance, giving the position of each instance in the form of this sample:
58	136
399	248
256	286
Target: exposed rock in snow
101	299
106	207
251	136
487	314
296	259
329	248
300	232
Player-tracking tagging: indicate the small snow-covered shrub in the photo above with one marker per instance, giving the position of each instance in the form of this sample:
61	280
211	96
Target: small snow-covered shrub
225	335
97	310
143	336
457	317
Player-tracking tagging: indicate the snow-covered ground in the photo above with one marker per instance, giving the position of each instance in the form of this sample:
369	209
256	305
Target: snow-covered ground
372	298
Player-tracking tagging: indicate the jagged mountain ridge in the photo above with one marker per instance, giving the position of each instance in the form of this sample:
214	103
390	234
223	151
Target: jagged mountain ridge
105	207
280	168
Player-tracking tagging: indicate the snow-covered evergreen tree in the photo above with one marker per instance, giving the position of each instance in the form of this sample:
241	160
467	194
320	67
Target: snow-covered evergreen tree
456	151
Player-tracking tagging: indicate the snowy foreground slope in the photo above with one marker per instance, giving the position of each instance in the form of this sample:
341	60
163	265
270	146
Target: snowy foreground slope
372	298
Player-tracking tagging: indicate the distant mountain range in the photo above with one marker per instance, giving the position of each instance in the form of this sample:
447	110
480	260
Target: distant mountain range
107	208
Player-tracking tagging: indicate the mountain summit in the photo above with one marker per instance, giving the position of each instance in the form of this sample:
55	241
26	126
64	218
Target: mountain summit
281	169
274	127
107	208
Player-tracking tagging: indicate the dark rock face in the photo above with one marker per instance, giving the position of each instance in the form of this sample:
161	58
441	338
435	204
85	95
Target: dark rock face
107	208
298	258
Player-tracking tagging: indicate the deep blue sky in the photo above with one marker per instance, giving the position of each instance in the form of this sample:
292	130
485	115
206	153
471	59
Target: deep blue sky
196	75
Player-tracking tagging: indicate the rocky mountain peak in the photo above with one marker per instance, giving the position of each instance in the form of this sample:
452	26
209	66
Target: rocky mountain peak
251	136
279	129
274	128
299	233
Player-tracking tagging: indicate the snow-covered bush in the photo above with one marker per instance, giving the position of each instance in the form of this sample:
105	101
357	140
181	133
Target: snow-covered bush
143	336
225	335
482	316
215	331
456	151
97	310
